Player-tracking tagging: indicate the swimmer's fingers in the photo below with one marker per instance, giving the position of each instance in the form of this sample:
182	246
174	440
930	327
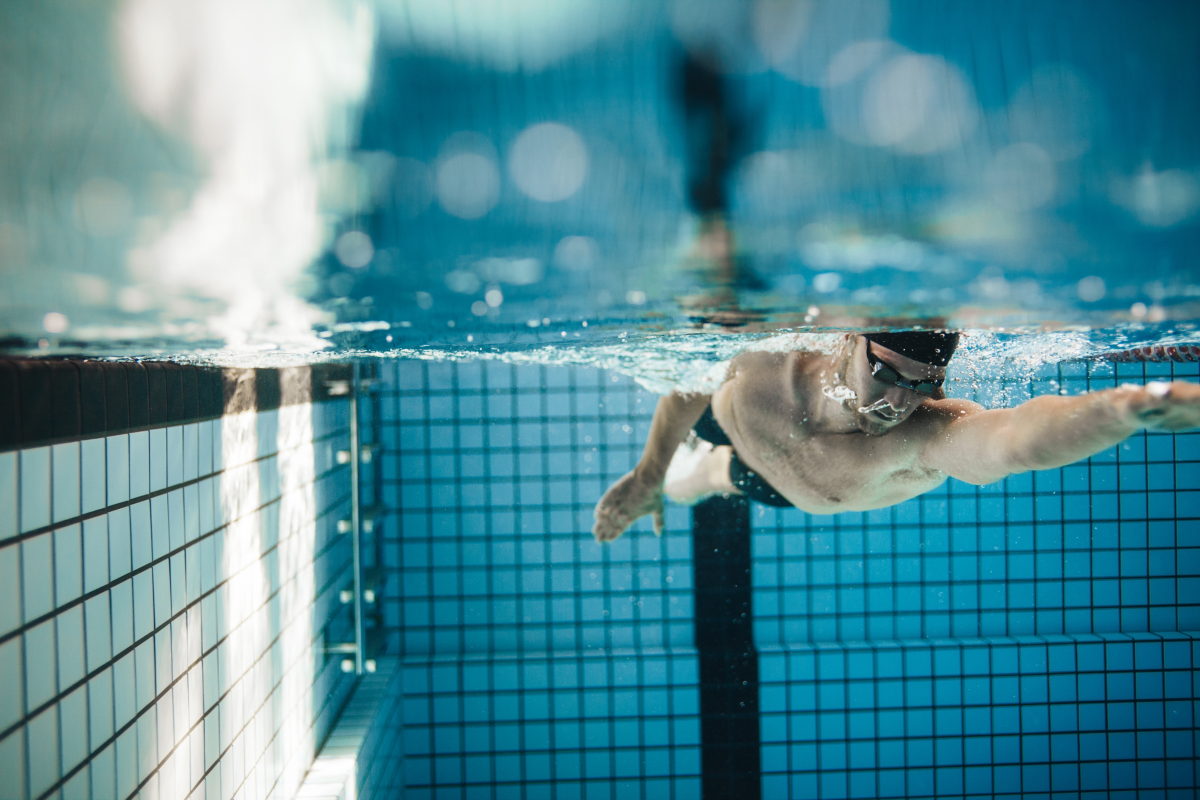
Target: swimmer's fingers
1170	406
659	523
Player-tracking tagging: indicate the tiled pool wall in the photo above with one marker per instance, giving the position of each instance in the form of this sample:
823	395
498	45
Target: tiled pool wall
1018	639
165	594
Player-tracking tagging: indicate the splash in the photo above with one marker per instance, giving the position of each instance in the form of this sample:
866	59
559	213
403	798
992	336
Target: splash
260	90
878	405
841	393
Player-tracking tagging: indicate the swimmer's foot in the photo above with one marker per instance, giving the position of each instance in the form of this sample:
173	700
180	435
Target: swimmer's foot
698	471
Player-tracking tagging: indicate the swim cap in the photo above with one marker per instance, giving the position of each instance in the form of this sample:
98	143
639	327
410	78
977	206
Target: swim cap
929	347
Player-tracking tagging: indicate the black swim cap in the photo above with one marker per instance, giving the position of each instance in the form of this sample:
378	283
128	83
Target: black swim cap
929	347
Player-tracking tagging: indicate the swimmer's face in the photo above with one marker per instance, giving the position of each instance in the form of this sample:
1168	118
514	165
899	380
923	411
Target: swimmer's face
888	405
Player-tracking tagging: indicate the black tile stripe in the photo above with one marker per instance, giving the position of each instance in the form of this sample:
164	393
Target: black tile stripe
49	401
729	724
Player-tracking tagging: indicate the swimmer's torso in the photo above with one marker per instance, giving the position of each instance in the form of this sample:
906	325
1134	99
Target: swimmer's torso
766	408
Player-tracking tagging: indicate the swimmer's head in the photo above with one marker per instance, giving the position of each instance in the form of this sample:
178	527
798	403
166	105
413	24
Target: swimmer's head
893	374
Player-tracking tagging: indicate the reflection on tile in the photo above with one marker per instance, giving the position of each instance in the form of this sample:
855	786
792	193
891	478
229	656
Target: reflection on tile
13	669
10	588
158	459
95	553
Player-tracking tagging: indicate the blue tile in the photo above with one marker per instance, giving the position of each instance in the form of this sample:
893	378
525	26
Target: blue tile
69	630
73	715
65	483
94	484
41	666
117	454
10	588
37	576
99	631
139	464
12	667
8	495
157	449
68	564
35	488
95	553
43	739
174	455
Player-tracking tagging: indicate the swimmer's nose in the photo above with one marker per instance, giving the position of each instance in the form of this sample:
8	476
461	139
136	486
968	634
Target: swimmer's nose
903	400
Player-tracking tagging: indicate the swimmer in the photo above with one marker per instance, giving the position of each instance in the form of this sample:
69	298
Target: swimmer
865	427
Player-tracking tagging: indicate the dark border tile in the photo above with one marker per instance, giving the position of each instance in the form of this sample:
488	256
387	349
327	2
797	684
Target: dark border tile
10	405
64	389
37	405
139	396
156	388
116	397
92	398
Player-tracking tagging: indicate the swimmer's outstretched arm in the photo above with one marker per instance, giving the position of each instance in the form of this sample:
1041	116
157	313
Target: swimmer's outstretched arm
639	492
979	446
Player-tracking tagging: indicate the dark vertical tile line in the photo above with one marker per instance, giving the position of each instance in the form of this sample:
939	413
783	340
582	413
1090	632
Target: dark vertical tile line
729	726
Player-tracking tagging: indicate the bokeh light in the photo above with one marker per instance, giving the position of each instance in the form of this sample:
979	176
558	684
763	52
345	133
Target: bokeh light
548	162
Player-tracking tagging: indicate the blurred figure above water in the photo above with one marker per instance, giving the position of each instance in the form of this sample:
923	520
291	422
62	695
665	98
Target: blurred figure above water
231	173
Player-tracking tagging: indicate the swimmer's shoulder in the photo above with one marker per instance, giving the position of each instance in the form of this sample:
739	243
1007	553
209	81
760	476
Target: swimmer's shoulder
936	415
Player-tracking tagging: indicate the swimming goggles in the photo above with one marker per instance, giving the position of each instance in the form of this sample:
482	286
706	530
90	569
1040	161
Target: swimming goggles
885	373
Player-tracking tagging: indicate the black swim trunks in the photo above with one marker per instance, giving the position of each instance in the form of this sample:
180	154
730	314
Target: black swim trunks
745	479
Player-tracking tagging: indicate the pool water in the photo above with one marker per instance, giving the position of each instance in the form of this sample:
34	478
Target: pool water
1029	637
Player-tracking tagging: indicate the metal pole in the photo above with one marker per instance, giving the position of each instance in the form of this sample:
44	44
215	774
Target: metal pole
356	520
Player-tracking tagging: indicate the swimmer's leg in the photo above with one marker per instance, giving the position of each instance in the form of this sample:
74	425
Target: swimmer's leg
698	471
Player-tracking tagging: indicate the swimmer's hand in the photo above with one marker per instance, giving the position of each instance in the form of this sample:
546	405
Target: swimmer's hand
1166	406
626	501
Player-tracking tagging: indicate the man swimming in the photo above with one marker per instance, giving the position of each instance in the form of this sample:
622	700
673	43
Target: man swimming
864	427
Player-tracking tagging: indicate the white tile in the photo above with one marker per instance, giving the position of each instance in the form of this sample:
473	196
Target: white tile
165	714
100	708
192	573
8	495
204	444
70	647
139	464
127	762
37	575
162	592
174	455
43	751
99	631
163	673
158	459
205	504
143	604
95	553
73	711
191	513
143	659
65	489
139	533
104	774
68	565
218	456
77	788
39	665
120	548
10	588
178	593
93	475
13	670
35	488
12	761
175	518
121	597
147	728
124	691
160	527
116	449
